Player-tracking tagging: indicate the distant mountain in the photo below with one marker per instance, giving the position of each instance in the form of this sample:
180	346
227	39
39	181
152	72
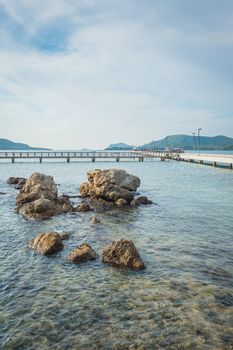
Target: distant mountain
10	145
187	142
119	147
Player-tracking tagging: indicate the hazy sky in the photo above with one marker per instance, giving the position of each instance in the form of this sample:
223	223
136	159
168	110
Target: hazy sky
86	73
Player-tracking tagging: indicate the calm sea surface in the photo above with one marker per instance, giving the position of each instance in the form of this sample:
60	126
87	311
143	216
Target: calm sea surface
182	300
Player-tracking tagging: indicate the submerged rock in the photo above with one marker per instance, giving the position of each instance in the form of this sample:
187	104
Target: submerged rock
83	207
82	254
2	193
65	236
46	243
18	181
123	253
95	220
110	185
39	198
140	200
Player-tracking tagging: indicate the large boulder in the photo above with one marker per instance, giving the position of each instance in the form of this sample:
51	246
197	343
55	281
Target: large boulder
82	254
123	253
110	185
46	243
39	198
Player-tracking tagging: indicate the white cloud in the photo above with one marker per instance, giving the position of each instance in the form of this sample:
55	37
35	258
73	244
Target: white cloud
120	79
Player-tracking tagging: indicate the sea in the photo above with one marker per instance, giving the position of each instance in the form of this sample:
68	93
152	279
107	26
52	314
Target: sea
183	300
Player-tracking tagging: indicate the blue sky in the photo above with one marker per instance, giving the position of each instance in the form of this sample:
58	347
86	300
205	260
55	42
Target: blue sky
92	72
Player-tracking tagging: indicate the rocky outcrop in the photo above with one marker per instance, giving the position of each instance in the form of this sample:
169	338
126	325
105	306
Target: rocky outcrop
18	181
110	185
82	254
46	243
140	200
39	198
123	253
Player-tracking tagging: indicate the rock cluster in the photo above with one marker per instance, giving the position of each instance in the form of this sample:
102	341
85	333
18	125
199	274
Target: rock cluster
112	185
46	243
123	253
39	198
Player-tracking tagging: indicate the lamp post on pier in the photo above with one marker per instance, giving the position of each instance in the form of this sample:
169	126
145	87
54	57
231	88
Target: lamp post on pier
194	141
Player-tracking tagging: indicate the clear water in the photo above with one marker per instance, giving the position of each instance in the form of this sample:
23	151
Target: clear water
184	298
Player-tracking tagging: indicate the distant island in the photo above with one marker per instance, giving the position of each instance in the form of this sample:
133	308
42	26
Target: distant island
10	145
119	147
185	142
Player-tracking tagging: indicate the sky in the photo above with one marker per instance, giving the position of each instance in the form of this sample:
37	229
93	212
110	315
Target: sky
86	73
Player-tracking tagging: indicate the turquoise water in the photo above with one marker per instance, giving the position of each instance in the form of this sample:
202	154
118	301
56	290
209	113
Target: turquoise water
182	300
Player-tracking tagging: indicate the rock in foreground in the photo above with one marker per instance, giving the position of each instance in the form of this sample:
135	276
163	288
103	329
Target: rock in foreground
39	198
46	243
110	185
123	253
82	254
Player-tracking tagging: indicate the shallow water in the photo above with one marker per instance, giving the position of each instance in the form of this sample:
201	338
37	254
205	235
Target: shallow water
182	300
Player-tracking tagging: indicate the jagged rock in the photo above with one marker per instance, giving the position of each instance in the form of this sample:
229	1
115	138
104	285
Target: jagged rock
46	243
110	185
123	253
83	207
95	220
140	200
82	254
39	198
18	181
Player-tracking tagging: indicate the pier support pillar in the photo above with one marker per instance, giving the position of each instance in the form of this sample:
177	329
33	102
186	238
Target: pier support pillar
117	159
40	159
12	159
140	159
214	164
93	159
231	166
200	161
162	159
68	160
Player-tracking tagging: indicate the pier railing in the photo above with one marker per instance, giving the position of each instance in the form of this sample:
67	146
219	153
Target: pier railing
94	155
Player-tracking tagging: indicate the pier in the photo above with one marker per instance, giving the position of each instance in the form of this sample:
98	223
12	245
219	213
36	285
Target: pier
76	155
205	159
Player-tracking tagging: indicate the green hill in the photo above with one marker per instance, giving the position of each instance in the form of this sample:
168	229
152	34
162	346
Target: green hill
10	145
187	142
119	147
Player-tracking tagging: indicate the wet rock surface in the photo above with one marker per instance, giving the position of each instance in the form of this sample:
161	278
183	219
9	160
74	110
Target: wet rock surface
123	253
39	198
110	185
82	253
46	243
